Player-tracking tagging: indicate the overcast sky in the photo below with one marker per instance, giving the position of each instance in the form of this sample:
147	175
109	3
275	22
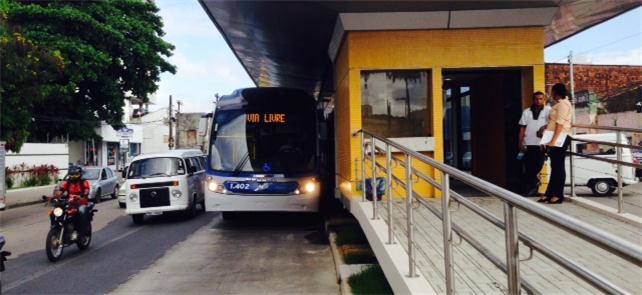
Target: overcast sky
206	65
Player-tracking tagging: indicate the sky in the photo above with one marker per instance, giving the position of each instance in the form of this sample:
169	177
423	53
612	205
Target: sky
206	65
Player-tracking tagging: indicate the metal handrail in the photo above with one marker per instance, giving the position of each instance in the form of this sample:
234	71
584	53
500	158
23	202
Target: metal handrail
609	128
625	249
630	146
618	147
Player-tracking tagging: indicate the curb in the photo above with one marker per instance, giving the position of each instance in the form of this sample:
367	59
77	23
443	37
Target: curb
606	210
338	260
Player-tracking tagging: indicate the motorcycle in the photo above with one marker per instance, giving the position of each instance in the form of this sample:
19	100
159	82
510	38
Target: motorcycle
3	258
65	224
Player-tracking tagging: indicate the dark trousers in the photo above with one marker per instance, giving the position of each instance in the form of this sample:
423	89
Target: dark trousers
558	171
533	161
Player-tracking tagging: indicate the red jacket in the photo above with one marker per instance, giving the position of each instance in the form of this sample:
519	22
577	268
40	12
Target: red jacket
75	187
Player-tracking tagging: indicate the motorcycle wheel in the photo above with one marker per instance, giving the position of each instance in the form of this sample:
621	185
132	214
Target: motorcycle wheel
54	245
85	241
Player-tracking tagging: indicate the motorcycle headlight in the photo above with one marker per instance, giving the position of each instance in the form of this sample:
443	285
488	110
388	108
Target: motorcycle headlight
177	193
57	212
133	197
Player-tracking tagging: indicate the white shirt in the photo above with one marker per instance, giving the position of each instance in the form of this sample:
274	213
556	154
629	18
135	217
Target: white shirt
532	125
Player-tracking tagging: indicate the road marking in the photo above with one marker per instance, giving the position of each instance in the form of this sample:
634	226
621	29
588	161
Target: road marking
56	266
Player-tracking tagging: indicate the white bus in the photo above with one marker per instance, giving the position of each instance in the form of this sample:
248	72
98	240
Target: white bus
263	152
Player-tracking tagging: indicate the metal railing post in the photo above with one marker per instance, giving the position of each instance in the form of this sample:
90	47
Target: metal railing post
620	205
447	231
412	271
373	180
363	167
572	168
512	249
391	237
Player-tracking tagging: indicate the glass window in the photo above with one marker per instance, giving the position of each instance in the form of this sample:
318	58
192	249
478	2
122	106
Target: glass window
156	167
395	103
90	173
267	133
103	175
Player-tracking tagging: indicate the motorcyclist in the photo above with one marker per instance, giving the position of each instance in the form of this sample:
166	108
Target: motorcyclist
76	185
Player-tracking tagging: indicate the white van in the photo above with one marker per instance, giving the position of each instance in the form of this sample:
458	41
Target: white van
600	176
169	181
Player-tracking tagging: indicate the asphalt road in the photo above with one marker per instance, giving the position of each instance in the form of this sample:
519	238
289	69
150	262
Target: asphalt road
122	254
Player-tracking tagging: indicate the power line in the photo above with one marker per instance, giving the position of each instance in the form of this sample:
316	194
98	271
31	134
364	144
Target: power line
602	46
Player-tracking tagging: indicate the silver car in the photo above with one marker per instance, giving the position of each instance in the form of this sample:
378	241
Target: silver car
103	182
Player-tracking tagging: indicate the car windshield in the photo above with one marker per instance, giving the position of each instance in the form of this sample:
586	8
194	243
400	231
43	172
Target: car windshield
155	167
265	137
90	174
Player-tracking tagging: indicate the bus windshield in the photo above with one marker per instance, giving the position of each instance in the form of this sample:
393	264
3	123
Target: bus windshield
265	135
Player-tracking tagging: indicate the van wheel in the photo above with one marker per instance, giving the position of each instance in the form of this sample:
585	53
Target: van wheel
602	187
138	218
191	209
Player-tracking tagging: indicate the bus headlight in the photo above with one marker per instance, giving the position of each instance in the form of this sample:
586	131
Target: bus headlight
212	185
310	187
177	193
133	197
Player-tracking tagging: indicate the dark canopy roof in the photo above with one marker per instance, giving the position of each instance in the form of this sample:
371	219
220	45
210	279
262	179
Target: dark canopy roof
286	43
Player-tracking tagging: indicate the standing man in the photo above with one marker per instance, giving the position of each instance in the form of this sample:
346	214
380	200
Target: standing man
532	123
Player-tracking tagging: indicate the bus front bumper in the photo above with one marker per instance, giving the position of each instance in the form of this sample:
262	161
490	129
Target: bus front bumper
290	203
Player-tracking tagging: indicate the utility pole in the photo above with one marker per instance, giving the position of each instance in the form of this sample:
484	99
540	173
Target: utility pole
170	143
178	130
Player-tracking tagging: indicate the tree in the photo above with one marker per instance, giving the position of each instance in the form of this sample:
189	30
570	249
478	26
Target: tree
111	50
28	74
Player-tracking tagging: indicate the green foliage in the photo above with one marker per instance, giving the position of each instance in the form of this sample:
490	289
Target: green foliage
370	281
360	257
32	180
107	51
8	181
351	236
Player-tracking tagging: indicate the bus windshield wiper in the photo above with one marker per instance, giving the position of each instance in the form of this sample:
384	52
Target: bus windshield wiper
241	163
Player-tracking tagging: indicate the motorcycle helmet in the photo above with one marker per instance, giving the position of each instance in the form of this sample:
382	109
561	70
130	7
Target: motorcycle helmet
75	172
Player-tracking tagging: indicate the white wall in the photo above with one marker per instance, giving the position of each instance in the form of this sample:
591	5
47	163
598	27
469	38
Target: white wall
76	152
35	154
155	132
109	134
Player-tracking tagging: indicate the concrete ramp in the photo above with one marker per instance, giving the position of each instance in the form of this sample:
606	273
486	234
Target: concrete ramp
474	274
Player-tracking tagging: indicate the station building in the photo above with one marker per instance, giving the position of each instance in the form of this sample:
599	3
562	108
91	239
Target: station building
446	78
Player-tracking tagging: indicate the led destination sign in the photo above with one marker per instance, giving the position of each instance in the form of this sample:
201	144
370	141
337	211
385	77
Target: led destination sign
266	118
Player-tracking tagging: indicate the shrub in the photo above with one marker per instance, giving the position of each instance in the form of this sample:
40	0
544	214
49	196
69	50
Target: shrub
352	235
370	281
359	257
32	180
8	181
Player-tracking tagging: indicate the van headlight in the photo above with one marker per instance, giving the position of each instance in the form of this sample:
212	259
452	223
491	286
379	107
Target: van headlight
177	193
57	212
133	197
310	186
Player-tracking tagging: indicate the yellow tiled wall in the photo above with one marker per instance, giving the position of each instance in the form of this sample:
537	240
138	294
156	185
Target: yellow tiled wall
433	50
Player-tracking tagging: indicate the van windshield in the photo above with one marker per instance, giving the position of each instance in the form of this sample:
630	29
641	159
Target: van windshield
156	167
